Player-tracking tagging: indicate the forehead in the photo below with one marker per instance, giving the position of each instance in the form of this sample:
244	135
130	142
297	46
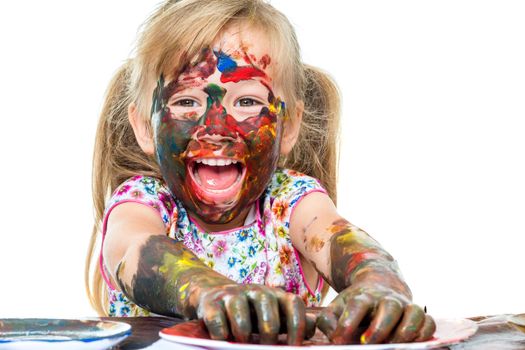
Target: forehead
238	45
238	40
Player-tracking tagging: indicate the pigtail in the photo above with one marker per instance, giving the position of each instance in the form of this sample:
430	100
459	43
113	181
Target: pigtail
116	157
315	152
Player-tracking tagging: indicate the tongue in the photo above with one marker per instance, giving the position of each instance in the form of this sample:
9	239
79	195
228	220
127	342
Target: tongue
217	177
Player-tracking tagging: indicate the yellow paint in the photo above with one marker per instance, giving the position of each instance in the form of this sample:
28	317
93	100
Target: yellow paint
178	263
184	286
275	107
346	238
267	128
363	339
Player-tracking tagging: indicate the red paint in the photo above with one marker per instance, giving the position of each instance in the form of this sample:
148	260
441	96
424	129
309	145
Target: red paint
242	73
248	58
193	75
203	69
197	329
359	257
265	61
190	329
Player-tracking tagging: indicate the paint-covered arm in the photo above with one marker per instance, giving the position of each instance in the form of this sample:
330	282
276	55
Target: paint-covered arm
367	278
163	276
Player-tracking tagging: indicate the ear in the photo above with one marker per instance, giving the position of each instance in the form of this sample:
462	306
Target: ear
291	126
140	129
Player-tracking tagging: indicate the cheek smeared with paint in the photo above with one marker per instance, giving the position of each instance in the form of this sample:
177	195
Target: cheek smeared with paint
253	143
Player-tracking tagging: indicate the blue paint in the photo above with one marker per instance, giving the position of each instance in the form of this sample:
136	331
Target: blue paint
224	62
32	331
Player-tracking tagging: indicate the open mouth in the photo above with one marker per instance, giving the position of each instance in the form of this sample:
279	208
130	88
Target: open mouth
217	180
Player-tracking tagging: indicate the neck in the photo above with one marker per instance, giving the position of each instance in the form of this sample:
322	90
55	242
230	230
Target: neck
238	221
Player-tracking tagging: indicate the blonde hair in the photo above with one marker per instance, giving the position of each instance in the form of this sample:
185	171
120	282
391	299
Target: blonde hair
176	32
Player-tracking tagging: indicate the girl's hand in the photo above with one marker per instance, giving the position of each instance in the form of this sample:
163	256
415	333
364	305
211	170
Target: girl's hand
240	310
390	317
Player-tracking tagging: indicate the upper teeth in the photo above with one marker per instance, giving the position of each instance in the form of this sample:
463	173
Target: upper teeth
216	162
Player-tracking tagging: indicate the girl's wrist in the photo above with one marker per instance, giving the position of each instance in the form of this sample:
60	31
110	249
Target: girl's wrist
383	278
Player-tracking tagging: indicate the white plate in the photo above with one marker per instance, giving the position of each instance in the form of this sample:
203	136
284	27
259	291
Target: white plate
448	332
518	320
33	333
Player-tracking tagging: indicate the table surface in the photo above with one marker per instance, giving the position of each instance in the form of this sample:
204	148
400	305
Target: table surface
494	333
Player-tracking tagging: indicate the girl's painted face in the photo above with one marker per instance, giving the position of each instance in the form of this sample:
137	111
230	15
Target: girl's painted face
217	128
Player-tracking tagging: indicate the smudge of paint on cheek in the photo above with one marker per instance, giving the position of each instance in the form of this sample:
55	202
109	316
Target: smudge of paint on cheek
174	136
159	111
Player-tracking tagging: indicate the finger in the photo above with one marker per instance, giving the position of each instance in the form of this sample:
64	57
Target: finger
213	314
294	311
267	310
408	328
427	331
328	318
355	311
388	313
310	325
238	311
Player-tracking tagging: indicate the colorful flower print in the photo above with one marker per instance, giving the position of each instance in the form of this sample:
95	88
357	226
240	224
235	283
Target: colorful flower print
260	252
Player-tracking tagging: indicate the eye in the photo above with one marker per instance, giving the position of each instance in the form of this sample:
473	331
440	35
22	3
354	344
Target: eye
247	102
186	102
186	107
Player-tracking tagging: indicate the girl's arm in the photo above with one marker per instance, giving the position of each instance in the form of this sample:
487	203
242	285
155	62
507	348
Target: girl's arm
162	275
367	278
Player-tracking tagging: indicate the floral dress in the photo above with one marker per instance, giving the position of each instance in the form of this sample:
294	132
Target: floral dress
259	252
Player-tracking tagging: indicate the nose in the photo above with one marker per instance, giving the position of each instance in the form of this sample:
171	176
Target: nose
217	124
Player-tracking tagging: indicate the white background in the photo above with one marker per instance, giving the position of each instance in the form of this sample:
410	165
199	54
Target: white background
432	161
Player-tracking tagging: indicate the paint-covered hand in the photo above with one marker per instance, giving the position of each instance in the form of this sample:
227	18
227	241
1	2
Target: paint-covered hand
372	314
236	311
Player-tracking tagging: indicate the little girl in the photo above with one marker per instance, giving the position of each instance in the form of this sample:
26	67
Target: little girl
206	219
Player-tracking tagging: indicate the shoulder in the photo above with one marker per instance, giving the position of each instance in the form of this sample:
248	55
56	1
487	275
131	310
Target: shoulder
296	198
286	190
145	190
287	184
